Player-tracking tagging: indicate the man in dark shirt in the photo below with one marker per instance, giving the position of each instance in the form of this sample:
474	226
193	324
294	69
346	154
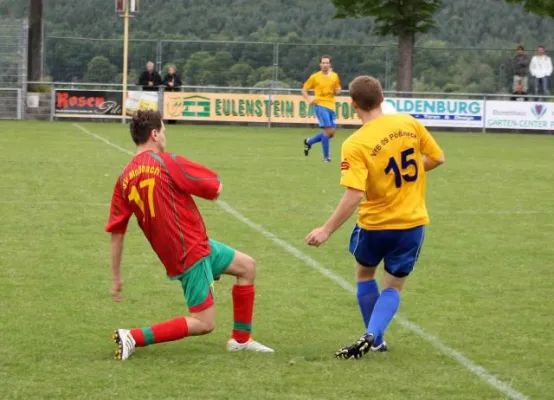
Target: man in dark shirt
150	79
520	67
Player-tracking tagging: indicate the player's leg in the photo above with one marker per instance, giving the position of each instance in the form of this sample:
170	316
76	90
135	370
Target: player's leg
328	122
399	263
367	292
325	143
368	248
197	284
308	143
228	261
361	246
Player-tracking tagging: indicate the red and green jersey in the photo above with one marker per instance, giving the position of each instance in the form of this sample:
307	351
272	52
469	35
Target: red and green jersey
158	189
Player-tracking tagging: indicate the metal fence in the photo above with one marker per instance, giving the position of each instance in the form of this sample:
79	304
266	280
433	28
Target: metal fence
13	53
253	64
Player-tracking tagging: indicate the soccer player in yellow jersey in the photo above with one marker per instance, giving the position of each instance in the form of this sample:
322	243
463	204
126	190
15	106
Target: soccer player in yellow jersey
326	85
383	169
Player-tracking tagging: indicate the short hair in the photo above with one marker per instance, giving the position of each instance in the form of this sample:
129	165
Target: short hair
540	46
143	123
150	63
366	92
520	47
322	57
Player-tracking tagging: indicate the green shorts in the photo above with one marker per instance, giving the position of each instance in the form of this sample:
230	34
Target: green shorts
198	280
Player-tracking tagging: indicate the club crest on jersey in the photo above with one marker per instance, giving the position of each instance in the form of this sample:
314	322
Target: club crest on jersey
344	165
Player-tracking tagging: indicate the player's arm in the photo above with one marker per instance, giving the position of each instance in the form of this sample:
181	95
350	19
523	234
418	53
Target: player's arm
433	156
354	174
117	226
308	85
116	247
194	178
348	204
338	88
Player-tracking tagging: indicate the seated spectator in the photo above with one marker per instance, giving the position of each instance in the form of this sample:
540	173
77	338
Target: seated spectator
519	94
172	81
150	79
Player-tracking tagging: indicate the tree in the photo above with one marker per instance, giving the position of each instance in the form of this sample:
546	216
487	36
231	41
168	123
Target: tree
539	7
34	47
401	18
100	70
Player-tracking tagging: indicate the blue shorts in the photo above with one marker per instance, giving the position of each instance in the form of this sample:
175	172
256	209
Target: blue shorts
326	117
399	248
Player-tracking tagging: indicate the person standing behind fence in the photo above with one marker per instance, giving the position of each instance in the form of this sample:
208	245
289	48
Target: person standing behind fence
150	79
172	81
520	67
541	69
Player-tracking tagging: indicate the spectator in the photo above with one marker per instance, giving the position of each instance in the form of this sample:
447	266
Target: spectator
519	93
172	81
150	79
541	69
520	67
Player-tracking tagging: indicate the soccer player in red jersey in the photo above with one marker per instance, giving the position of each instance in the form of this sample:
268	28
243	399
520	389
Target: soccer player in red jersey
158	187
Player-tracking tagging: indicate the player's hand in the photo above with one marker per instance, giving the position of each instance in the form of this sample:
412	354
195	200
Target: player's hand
116	291
150	83
317	237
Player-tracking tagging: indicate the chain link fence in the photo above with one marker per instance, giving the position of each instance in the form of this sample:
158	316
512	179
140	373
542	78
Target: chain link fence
275	65
13	67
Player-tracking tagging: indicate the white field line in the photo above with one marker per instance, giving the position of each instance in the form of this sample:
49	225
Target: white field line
477	370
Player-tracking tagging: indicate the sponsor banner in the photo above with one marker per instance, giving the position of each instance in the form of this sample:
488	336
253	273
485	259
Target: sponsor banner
451	113
138	100
289	109
86	103
293	109
519	115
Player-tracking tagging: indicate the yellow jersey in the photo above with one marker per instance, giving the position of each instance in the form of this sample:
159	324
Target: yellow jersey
384	160
324	87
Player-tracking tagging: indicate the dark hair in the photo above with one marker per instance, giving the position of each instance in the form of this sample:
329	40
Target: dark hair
366	92
322	57
143	123
540	46
520	47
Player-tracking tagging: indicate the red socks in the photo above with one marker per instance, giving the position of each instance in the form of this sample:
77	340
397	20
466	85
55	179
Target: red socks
243	308
167	331
175	329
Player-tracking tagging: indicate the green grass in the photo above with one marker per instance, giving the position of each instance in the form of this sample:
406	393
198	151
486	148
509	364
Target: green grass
483	285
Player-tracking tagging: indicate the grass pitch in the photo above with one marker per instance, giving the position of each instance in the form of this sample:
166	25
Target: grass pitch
483	286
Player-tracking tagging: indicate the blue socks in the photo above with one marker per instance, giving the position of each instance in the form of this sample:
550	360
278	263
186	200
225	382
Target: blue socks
385	308
320	137
316	139
368	294
325	145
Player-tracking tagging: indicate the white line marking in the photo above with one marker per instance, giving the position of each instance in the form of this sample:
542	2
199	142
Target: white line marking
433	340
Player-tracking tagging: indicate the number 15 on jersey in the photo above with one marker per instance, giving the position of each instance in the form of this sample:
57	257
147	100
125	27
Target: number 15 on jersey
405	163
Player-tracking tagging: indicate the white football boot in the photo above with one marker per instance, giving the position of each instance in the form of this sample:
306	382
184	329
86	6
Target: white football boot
125	344
251	345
